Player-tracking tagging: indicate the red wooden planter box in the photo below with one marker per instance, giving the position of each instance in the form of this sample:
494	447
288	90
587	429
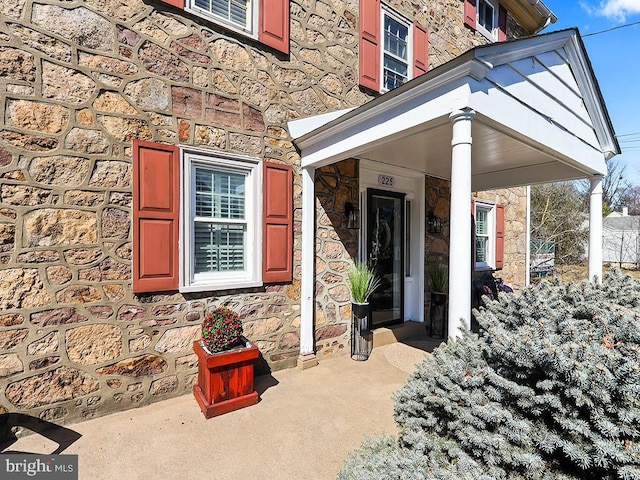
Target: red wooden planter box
225	379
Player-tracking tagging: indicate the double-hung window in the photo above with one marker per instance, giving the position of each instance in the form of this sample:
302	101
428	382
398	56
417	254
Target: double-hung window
485	247
487	22
221	205
392	49
395	52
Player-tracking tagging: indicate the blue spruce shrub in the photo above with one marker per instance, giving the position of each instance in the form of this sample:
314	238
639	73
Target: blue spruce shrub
550	390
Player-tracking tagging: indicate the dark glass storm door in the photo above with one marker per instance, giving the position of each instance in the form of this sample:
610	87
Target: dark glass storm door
385	252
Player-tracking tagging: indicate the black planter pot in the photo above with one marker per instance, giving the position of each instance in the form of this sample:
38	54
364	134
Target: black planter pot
361	334
361	314
438	315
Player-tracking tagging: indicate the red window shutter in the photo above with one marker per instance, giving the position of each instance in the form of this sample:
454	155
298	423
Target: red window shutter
470	10
499	236
277	228
155	216
175	3
420	49
502	23
274	24
369	48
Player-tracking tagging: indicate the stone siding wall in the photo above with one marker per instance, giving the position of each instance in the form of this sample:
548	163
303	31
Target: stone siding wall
336	247
78	81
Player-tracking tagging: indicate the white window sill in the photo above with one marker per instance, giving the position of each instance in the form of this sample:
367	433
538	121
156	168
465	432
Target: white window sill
484	268
492	36
211	287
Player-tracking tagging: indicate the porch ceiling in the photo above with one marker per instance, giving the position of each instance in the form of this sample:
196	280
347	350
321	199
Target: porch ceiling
499	160
539	117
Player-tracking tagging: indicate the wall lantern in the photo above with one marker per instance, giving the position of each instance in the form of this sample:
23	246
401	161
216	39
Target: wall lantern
352	216
434	223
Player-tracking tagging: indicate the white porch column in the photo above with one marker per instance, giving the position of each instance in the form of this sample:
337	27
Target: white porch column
460	223
595	230
307	357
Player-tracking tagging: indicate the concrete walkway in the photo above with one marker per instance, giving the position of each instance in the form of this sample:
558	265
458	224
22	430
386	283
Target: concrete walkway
304	426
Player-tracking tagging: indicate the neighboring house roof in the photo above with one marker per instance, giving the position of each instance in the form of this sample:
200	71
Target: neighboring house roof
540	117
621	223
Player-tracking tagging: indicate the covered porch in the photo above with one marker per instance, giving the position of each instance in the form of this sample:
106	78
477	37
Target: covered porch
502	115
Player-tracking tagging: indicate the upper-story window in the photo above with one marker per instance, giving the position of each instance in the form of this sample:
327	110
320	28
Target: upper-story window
488	19
392	48
236	14
395	51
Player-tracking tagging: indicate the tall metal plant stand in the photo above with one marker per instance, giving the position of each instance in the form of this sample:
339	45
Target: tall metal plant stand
438	315
361	334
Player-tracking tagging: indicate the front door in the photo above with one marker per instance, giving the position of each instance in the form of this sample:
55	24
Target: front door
385	252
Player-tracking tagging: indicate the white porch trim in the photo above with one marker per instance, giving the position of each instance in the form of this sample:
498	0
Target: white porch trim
595	230
460	223
307	357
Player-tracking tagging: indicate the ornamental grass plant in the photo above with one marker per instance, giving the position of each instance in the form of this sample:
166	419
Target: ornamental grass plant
550	390
221	330
439	277
362	282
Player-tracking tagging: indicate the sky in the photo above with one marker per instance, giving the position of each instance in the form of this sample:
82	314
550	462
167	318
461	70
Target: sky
615	57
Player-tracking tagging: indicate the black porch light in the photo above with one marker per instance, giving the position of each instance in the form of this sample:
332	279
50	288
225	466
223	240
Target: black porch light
352	215
434	223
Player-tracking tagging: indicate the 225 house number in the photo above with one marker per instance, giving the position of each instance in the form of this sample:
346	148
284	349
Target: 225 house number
386	180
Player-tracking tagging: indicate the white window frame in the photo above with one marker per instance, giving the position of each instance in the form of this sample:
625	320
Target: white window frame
490	208
251	276
387	11
493	33
248	29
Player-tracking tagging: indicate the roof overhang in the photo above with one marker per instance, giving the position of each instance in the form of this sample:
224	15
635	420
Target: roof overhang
540	117
532	15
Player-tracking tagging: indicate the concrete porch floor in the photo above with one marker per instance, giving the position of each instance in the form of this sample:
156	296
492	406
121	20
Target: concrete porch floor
303	427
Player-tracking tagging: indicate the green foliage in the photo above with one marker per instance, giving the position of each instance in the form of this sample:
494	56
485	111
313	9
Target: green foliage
551	390
362	282
221	329
439	277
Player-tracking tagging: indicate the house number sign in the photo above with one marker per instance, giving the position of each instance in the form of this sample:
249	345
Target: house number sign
386	180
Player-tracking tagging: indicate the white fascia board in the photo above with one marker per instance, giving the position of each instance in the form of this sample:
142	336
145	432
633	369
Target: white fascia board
299	128
592	97
511	117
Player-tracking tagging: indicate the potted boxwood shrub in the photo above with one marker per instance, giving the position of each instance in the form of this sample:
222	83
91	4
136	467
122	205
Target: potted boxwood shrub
439	278
225	364
362	282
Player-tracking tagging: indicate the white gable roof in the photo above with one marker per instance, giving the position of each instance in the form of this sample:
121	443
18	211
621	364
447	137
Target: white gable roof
540	117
